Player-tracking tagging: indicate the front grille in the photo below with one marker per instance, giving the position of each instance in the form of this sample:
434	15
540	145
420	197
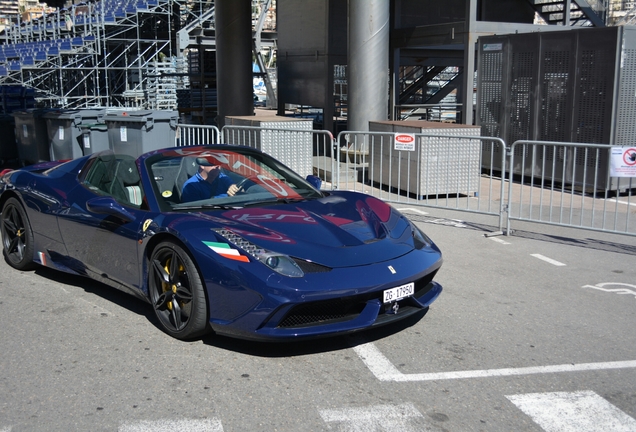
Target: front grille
342	309
322	312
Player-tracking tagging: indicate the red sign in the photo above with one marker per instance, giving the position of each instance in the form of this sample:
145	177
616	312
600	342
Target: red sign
406	139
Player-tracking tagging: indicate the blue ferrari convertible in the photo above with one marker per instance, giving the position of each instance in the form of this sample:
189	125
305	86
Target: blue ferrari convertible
221	238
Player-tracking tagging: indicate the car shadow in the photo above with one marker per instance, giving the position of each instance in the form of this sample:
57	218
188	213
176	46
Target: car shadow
113	295
311	346
587	243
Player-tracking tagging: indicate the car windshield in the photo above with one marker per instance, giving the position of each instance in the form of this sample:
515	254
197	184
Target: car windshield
210	178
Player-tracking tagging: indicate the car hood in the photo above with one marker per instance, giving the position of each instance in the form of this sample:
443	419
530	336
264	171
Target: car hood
340	230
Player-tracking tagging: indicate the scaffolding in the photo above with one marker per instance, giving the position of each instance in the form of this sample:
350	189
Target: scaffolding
115	53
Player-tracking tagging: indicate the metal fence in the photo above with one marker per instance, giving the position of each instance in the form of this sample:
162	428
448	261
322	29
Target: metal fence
565	184
569	184
293	147
433	170
188	135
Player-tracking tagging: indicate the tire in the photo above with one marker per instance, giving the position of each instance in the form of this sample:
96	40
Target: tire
176	292
17	236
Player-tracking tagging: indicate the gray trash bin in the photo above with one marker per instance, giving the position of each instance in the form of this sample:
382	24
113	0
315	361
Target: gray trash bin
8	146
31	136
93	138
64	128
137	132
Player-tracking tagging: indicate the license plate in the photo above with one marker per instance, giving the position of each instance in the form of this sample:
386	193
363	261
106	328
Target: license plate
398	293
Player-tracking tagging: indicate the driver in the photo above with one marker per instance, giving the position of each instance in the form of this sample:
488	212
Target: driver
209	182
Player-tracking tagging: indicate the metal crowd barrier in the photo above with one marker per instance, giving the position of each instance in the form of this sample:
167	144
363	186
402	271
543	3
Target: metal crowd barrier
293	147
569	184
188	135
432	170
565	184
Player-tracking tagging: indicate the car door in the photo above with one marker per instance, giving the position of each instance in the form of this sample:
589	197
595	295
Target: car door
101	226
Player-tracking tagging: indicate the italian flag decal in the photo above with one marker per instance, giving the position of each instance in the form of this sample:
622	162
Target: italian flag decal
226	251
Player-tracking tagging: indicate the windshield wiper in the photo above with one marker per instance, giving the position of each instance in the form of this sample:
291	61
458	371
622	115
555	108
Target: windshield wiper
275	201
207	206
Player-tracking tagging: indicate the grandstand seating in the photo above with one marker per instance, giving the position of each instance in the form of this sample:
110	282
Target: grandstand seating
32	48
93	46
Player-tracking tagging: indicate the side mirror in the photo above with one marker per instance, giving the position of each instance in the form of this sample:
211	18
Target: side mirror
314	181
108	206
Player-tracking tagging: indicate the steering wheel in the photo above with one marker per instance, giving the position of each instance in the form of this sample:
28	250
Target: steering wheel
243	182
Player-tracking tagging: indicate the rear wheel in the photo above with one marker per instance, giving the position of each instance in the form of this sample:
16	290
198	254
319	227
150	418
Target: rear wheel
177	292
17	236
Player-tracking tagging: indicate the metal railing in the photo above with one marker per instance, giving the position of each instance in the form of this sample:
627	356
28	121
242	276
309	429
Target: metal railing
569	184
565	184
293	147
432	171
188	135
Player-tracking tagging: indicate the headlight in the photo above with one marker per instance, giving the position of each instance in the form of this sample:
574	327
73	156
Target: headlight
280	263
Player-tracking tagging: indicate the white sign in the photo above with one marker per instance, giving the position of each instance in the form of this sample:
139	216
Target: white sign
123	134
404	141
87	141
493	47
623	162
60	133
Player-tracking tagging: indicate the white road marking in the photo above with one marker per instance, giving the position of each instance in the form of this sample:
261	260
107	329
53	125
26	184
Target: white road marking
384	370
498	240
601	287
621	202
413	210
583	411
548	260
373	418
447	222
203	425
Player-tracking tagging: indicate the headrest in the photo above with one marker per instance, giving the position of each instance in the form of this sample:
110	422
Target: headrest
128	172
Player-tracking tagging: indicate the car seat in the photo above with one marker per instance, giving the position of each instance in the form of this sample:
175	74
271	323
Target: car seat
125	184
187	169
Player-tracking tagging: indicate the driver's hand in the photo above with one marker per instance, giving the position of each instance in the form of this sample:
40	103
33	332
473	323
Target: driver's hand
233	190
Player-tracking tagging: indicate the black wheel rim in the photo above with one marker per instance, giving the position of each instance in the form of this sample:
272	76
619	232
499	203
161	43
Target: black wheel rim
13	234
172	293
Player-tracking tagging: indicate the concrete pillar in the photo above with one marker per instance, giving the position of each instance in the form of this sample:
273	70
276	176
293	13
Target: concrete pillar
470	45
368	65
234	85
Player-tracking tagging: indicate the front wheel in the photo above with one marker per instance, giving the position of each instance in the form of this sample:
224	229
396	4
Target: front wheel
176	292
17	236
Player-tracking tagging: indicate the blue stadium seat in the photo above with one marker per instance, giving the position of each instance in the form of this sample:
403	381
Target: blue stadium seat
65	45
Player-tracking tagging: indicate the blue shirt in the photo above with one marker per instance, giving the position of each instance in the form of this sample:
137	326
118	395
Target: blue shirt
196	188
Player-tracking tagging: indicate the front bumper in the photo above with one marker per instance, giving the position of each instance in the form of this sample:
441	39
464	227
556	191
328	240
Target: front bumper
336	316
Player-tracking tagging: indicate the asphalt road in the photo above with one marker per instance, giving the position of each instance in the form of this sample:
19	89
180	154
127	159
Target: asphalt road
533	332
